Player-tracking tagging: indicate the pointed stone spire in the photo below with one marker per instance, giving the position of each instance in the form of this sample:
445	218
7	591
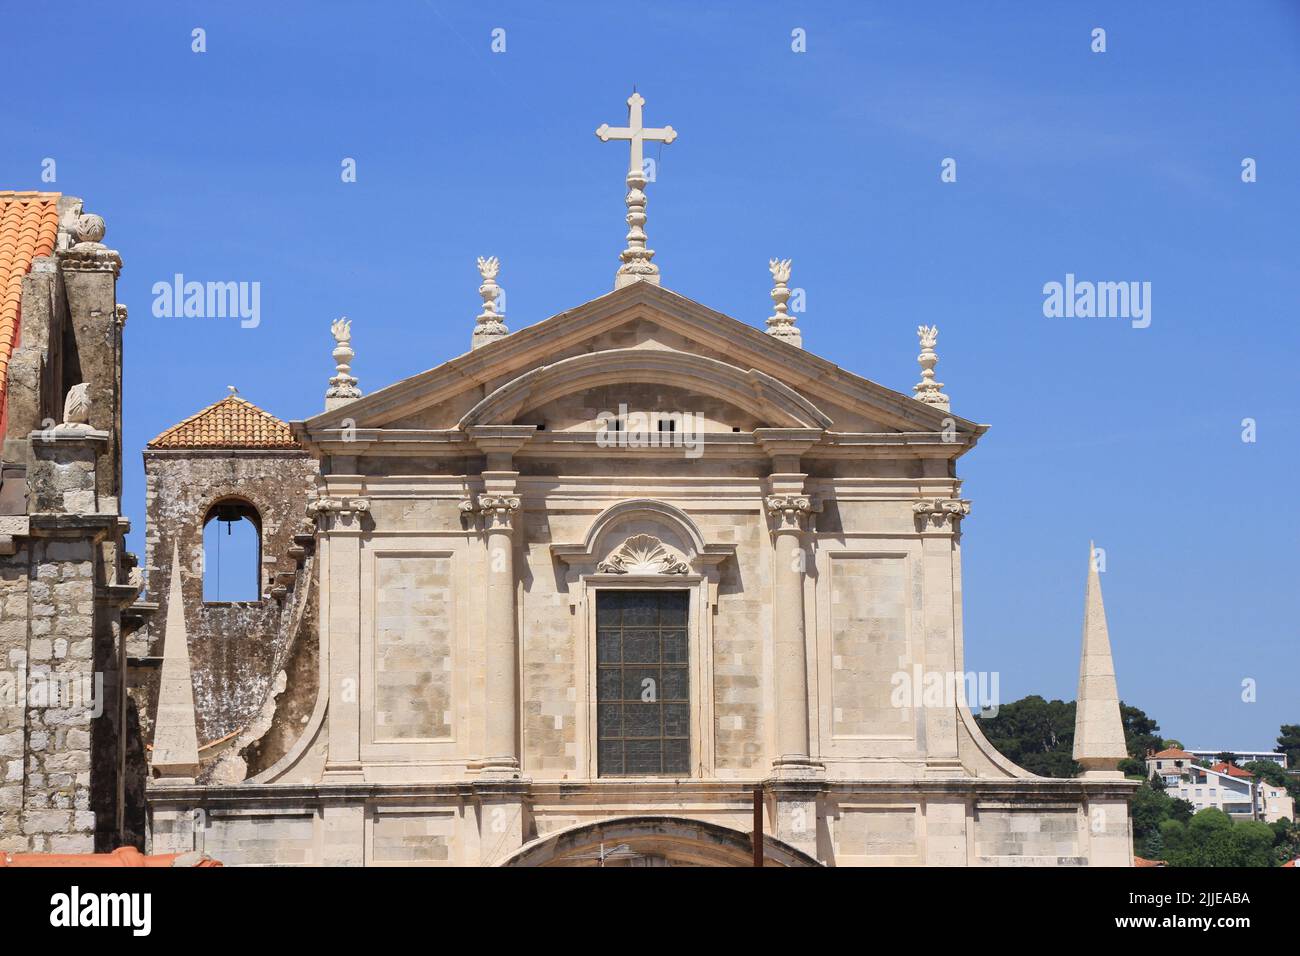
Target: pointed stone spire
343	385
1098	730
490	324
928	390
175	739
780	323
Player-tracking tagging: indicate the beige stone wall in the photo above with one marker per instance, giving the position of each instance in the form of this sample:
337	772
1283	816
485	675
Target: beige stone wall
1028	835
422	565
413	647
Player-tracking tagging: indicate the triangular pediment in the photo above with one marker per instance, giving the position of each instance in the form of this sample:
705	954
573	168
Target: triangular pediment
684	344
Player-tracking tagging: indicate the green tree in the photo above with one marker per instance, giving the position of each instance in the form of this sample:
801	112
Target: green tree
1272	773
1035	733
1212	838
1286	841
1288	742
1038	735
1141	733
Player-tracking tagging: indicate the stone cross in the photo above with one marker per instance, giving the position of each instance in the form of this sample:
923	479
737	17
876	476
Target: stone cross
636	266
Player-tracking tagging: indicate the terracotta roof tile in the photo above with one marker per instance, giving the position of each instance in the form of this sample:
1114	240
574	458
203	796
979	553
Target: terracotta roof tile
1172	754
29	227
229	423
1232	770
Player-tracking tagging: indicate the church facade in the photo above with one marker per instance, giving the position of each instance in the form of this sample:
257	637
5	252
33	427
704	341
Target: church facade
617	588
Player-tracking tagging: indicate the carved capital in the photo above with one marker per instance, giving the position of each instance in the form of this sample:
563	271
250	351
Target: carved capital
940	512
791	512
328	511
497	511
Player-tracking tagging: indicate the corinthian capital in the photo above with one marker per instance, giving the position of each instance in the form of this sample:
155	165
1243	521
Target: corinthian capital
497	511
791	511
940	512
326	510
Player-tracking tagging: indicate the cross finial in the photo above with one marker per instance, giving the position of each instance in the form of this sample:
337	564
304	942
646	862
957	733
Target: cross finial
636	266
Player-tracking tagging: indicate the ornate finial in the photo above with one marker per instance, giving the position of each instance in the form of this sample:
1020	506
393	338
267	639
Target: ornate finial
636	266
88	227
343	386
928	390
781	323
80	243
490	324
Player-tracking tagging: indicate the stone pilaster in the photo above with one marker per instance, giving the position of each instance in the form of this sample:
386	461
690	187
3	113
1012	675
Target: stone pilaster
939	522
501	807
499	511
498	508
789	508
340	515
789	511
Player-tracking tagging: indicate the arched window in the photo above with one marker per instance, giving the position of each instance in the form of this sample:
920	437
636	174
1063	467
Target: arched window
232	552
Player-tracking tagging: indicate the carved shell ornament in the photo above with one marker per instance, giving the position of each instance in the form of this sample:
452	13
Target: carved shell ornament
643	554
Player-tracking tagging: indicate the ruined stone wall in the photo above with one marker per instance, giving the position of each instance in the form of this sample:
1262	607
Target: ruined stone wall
65	576
234	646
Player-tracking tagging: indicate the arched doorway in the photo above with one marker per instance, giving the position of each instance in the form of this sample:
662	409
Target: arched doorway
654	841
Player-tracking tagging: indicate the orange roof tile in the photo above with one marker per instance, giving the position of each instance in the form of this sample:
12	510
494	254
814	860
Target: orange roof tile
1232	770
122	856
1141	861
29	227
229	423
1173	753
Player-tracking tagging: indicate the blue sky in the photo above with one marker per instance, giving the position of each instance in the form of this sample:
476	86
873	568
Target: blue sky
1115	166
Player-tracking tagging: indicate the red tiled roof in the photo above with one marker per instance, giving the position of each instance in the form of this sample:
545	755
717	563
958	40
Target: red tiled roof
29	227
1173	753
229	423
1232	770
122	856
1139	861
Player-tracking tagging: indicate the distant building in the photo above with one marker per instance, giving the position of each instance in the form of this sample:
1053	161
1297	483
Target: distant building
1274	803
1242	757
1170	764
1223	786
